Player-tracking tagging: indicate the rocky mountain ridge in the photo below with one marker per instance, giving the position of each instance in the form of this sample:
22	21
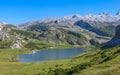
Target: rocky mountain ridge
1	25
71	19
9	39
102	24
72	30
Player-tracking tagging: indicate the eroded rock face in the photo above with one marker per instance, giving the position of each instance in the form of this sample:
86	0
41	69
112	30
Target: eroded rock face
117	34
115	41
17	42
11	40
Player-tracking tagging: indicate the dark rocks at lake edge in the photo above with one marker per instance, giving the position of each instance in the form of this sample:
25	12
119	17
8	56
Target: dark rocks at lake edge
115	41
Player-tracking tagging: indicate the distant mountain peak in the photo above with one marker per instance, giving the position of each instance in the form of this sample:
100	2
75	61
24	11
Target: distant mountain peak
73	16
71	19
118	13
103	13
3	23
76	16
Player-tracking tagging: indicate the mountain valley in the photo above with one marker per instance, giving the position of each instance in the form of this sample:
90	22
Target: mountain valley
99	34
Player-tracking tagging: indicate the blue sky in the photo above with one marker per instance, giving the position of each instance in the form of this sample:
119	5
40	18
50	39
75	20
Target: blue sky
19	11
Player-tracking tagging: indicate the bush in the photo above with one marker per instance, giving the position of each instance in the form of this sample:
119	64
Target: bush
51	72
5	43
70	71
31	45
80	67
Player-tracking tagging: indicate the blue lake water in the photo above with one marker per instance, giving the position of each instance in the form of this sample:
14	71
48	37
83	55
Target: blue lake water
51	54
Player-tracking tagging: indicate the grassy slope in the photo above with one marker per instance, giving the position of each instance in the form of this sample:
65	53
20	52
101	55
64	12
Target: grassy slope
101	66
108	67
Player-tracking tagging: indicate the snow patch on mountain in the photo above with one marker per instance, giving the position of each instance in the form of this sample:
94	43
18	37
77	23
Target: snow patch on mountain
71	19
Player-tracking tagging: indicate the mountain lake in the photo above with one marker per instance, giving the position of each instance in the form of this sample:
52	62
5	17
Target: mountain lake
51	54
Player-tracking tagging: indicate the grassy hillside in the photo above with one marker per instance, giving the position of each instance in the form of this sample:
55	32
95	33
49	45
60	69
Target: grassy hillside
93	62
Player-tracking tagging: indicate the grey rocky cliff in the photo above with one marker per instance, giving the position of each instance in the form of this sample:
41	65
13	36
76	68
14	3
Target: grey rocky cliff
117	34
118	13
115	41
17	42
8	40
